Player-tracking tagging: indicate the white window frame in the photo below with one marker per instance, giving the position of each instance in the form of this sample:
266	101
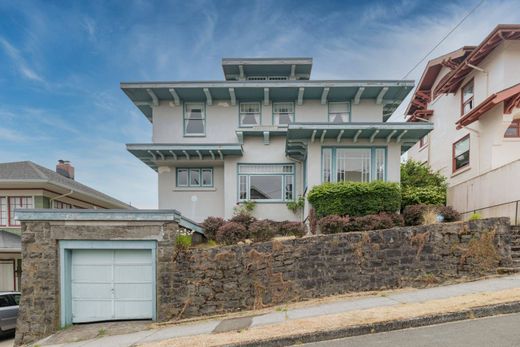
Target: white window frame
348	112
285	171
276	114
186	118
255	114
378	157
200	171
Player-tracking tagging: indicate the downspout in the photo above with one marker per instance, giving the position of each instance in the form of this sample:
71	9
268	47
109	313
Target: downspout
61	196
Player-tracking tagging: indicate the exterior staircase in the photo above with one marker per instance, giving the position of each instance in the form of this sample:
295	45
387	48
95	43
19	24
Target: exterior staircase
515	245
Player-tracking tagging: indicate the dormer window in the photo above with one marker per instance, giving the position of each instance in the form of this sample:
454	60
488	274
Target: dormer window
283	113
339	112
194	119
249	114
467	97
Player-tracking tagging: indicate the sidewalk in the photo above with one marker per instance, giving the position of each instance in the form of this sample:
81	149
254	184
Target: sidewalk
299	317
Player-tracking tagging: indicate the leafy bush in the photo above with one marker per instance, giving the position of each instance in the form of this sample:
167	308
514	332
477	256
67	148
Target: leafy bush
355	198
287	228
413	214
211	226
397	219
244	219
421	185
333	224
231	233
262	230
296	205
475	216
449	213
244	207
183	242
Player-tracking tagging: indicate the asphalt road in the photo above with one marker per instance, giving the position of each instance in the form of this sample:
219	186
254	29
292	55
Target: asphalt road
7	340
497	331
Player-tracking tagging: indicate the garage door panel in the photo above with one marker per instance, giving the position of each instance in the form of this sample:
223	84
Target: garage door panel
91	310
133	273
133	309
92	291
92	273
111	285
133	291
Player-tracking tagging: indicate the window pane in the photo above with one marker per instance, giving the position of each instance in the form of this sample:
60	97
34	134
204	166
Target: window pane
249	119
338	107
16	298
18	202
244	169
250	113
182	177
462	160
512	131
289	186
467	92
283	107
194	119
353	164
461	153
195	126
468	106
194	111
337	118
462	146
326	165
194	177
242	187
207	177
380	164
3	211
250	107
265	187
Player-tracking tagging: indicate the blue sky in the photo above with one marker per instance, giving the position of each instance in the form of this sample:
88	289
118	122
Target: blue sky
61	63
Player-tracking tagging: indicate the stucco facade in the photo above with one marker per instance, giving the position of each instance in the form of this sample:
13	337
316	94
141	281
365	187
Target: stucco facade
487	179
266	160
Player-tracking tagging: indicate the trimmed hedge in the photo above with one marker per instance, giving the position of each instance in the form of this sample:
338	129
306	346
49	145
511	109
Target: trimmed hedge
355	198
336	224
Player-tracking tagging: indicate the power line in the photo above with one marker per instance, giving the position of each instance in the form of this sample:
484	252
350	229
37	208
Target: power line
445	37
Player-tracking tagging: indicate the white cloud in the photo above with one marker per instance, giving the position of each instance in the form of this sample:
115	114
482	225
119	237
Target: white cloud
16	58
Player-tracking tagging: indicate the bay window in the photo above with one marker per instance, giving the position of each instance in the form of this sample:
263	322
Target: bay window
194	119
283	113
339	112
461	153
269	182
9	204
355	164
249	114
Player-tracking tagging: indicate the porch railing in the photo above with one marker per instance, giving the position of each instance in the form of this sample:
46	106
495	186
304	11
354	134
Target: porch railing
507	209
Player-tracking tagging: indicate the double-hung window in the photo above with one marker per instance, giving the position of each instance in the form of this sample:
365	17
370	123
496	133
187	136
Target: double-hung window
9	204
283	113
353	164
249	114
339	112
461	153
467	97
194	177
194	119
269	182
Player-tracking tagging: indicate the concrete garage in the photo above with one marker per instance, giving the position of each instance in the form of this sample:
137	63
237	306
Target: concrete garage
84	266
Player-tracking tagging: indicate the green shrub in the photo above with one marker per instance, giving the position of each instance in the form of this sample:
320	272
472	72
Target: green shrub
287	228
262	230
333	224
211	226
421	185
231	233
423	195
296	205
183	242
243	218
355	198
475	216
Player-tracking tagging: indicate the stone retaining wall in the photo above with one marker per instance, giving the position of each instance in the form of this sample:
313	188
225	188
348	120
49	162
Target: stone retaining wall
211	281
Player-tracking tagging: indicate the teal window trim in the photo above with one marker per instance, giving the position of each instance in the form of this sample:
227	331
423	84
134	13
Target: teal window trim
349	110
189	184
293	115
204	118
65	249
240	125
283	183
373	172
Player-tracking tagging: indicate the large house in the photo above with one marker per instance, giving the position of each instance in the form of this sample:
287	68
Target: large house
26	185
472	96
268	133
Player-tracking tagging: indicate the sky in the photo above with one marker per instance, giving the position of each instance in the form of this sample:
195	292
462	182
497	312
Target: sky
61	63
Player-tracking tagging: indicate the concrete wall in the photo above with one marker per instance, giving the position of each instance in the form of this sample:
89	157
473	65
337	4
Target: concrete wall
489	150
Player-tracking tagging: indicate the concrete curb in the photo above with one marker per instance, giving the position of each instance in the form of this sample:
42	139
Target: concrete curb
477	312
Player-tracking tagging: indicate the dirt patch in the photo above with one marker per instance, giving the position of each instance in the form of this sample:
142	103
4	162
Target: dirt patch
353	318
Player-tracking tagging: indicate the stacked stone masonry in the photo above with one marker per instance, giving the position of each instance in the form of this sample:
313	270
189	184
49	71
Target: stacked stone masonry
206	281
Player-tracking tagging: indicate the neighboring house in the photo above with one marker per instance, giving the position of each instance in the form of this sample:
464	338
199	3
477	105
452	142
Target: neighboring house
268	133
472	96
26	185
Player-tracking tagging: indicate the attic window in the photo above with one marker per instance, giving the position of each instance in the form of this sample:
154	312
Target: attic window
514	129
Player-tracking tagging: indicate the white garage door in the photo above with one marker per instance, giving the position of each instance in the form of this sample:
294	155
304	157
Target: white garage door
111	284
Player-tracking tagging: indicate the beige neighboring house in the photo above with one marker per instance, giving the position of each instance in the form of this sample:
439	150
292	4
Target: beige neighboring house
472	96
268	132
26	185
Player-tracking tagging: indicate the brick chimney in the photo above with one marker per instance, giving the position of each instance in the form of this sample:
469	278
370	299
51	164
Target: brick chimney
64	168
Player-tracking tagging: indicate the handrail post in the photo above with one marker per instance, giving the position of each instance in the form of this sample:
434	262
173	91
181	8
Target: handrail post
516	213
